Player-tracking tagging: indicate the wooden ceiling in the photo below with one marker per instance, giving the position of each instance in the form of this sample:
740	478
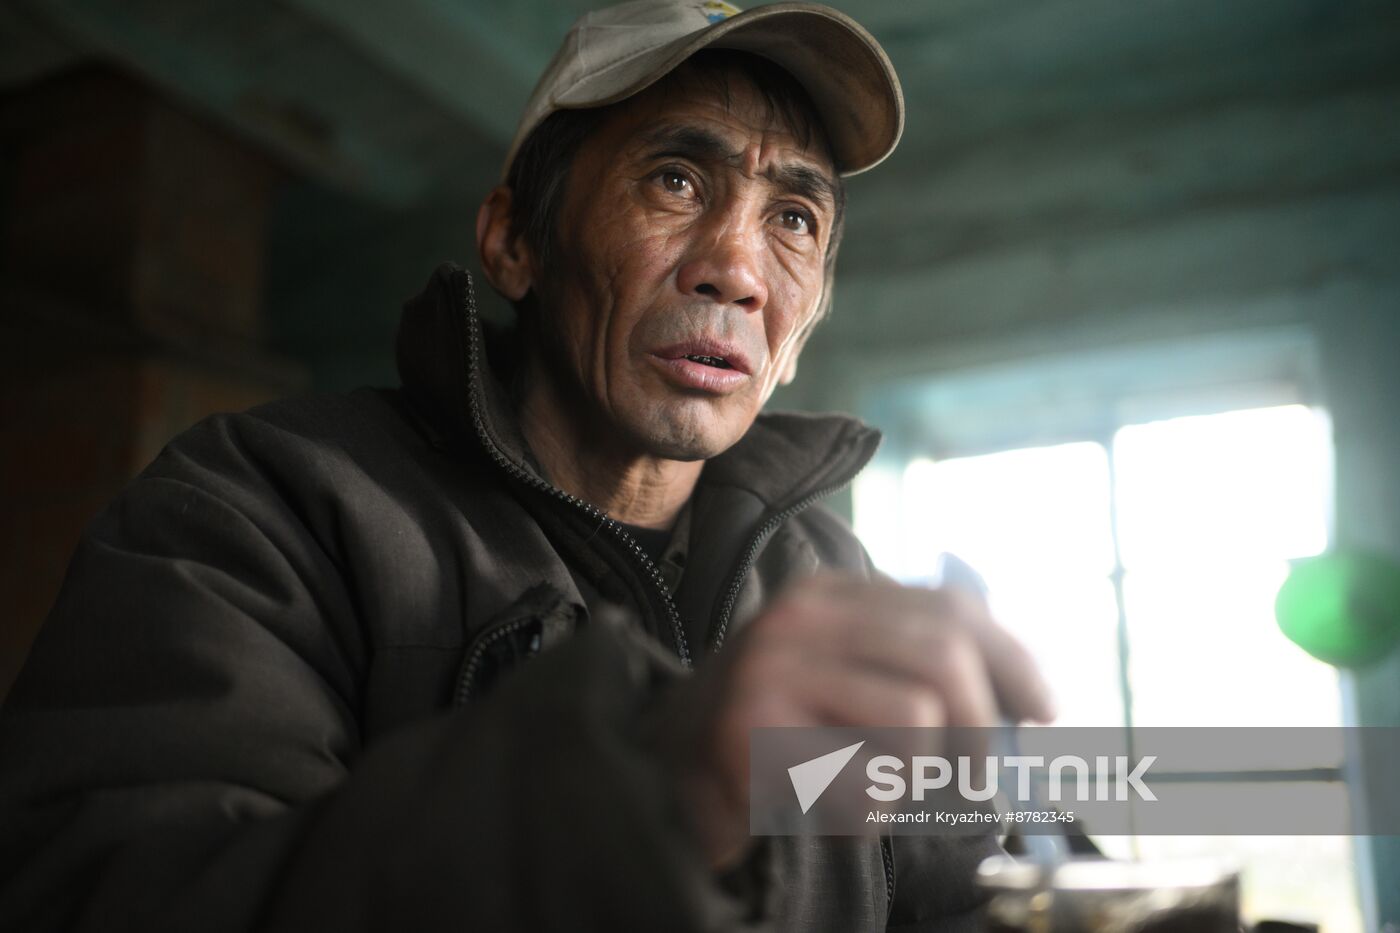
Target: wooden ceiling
391	101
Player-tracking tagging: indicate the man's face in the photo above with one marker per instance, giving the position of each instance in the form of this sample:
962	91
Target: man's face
690	265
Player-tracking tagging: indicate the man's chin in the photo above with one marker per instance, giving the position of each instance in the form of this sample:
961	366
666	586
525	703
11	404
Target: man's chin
688	441
686	451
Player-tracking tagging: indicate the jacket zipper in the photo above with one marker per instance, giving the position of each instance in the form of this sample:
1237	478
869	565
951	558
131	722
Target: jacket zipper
736	582
731	596
639	555
887	856
477	651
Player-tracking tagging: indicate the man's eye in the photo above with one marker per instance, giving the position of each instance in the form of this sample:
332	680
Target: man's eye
676	183
796	221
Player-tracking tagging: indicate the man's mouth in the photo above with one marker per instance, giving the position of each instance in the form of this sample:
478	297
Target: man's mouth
714	354
718	362
705	365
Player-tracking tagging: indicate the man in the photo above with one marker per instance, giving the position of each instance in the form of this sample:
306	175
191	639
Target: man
417	659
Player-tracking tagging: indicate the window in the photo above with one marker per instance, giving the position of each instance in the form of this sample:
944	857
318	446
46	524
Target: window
1139	561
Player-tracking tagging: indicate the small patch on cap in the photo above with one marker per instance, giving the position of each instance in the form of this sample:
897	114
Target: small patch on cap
717	10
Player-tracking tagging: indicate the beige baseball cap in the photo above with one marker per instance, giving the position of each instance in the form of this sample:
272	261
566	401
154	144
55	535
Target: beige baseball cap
613	53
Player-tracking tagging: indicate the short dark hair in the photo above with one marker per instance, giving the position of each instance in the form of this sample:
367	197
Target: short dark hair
538	177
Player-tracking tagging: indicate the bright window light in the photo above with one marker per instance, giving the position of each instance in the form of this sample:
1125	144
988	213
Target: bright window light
1207	652
1210	509
1035	524
1215	489
1041	509
1206	512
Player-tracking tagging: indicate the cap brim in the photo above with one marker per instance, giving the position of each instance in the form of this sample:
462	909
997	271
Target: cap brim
843	69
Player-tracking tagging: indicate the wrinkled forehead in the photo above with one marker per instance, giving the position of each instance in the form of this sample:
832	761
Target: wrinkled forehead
748	88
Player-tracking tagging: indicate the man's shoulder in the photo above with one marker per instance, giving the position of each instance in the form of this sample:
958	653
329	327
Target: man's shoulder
831	537
289	439
317	414
309	419
790	458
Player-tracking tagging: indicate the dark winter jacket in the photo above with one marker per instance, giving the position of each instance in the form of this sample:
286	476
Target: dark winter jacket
346	663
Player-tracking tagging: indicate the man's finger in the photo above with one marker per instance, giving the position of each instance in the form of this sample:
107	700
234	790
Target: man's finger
1021	690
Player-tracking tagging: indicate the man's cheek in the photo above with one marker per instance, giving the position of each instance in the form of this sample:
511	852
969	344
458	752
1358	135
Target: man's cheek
658	255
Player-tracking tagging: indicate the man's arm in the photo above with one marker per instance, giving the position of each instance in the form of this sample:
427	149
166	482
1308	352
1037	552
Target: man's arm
183	750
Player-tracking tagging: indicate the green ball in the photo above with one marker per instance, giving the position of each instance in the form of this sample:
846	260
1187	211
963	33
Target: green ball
1342	608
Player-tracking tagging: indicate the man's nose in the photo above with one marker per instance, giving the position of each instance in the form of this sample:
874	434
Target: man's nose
723	265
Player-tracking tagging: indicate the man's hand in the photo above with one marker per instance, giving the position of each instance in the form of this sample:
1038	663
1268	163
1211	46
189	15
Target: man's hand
834	651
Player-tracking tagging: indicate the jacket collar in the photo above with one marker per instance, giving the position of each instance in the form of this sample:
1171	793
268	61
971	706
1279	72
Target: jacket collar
445	369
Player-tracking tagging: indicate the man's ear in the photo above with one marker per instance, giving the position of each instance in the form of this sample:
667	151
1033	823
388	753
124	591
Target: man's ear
506	260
